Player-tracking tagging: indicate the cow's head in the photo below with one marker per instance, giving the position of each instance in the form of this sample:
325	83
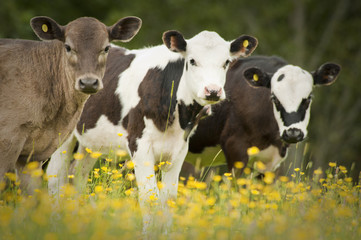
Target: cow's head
291	94
85	46
207	57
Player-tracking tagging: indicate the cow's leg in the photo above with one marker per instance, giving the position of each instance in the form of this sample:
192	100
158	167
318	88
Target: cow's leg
10	149
148	191
170	181
234	150
58	166
28	183
81	169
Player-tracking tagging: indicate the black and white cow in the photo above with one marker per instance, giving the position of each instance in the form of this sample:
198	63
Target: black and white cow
268	105
151	96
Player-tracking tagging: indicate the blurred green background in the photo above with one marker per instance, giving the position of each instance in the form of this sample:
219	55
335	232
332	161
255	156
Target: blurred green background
304	32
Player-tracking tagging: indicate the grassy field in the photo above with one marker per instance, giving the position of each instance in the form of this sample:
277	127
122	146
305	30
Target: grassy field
325	205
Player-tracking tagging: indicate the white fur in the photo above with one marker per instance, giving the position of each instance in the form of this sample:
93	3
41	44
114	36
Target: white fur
210	52
295	86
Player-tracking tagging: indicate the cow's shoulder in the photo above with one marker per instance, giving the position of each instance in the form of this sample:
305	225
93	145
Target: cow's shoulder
158	93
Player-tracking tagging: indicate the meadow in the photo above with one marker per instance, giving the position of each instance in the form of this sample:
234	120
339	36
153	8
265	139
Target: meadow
319	205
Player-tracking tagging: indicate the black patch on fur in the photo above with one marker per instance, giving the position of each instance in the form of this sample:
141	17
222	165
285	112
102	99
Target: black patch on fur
155	103
292	117
280	78
188	116
106	102
155	93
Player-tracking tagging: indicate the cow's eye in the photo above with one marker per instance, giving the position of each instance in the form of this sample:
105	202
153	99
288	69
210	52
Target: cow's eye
276	102
67	48
193	62
226	64
106	49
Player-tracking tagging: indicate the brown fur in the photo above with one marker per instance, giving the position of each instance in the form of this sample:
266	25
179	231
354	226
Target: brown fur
40	103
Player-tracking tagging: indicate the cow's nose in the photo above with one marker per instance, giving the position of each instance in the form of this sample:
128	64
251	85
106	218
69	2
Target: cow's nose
213	93
292	135
89	85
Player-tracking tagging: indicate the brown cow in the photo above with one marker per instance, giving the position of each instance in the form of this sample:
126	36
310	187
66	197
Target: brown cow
44	84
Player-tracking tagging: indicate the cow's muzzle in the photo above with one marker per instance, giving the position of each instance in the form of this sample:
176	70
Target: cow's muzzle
292	135
89	85
213	93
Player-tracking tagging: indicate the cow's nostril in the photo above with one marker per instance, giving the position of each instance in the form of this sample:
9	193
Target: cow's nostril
96	83
212	93
292	135
89	85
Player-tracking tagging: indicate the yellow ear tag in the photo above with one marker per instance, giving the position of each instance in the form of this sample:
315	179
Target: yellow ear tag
44	28
245	43
255	77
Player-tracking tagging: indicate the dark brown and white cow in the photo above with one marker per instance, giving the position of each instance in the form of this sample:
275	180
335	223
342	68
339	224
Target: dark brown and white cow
152	95
268	105
44	84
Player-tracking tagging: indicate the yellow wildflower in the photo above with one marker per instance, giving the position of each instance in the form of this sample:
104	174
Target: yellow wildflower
260	166
297	169
210	201
70	176
130	165
98	189
88	150
121	153
160	185
228	174
247	171
108	159
150	176
95	154
238	165
78	156
153	198
283	179
269	177
217	178
252	151
201	185
11	176
318	171
349	179
130	176
129	191
32	165
37	173
120	134
332	164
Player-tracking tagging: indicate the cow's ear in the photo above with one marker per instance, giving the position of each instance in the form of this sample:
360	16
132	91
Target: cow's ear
243	46
174	40
125	29
257	78
326	74
47	29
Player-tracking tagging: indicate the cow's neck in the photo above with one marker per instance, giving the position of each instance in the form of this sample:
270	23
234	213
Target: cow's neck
189	116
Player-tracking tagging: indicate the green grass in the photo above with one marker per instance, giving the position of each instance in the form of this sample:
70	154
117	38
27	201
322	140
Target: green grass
224	208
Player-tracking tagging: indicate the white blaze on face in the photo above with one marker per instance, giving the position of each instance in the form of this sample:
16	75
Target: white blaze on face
291	88
207	58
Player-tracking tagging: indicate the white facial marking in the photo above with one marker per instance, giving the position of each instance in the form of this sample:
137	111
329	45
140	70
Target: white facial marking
289	90
207	56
